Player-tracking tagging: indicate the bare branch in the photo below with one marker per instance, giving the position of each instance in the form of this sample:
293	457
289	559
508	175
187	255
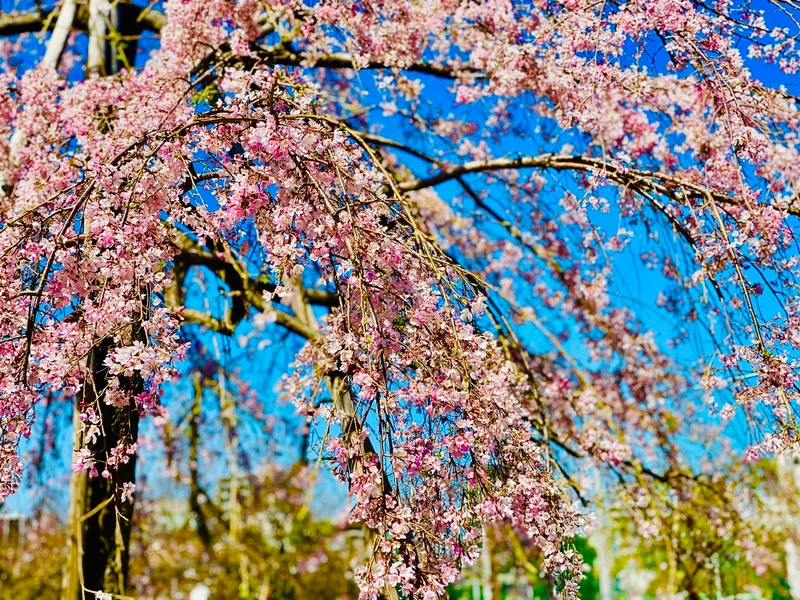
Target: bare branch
152	20
639	180
246	291
16	23
204	319
343	60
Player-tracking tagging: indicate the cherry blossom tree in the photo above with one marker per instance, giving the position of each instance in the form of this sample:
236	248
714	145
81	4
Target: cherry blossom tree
446	201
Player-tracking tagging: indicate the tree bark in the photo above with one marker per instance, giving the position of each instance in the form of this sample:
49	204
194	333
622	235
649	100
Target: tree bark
100	520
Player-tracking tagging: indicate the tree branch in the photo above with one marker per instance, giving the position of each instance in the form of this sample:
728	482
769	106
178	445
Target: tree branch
343	60
16	23
245	291
651	181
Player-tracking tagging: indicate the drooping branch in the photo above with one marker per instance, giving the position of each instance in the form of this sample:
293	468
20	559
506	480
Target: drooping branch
636	179
380	140
515	233
304	323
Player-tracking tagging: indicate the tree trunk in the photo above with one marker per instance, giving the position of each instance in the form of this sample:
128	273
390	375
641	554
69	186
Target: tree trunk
108	519
100	520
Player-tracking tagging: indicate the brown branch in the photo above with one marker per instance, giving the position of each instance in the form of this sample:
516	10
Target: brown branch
343	60
16	23
193	254
152	20
379	140
204	319
639	180
246	291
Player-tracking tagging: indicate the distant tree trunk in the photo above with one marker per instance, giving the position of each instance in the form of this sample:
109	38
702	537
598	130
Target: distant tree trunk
604	562
195	491
487	587
789	478
792	568
71	582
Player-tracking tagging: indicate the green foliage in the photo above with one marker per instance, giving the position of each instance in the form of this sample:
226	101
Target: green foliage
208	95
516	569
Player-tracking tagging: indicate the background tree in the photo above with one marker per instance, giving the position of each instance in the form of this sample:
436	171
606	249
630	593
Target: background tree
445	201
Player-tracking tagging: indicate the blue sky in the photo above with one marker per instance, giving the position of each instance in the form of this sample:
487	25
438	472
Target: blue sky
635	286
